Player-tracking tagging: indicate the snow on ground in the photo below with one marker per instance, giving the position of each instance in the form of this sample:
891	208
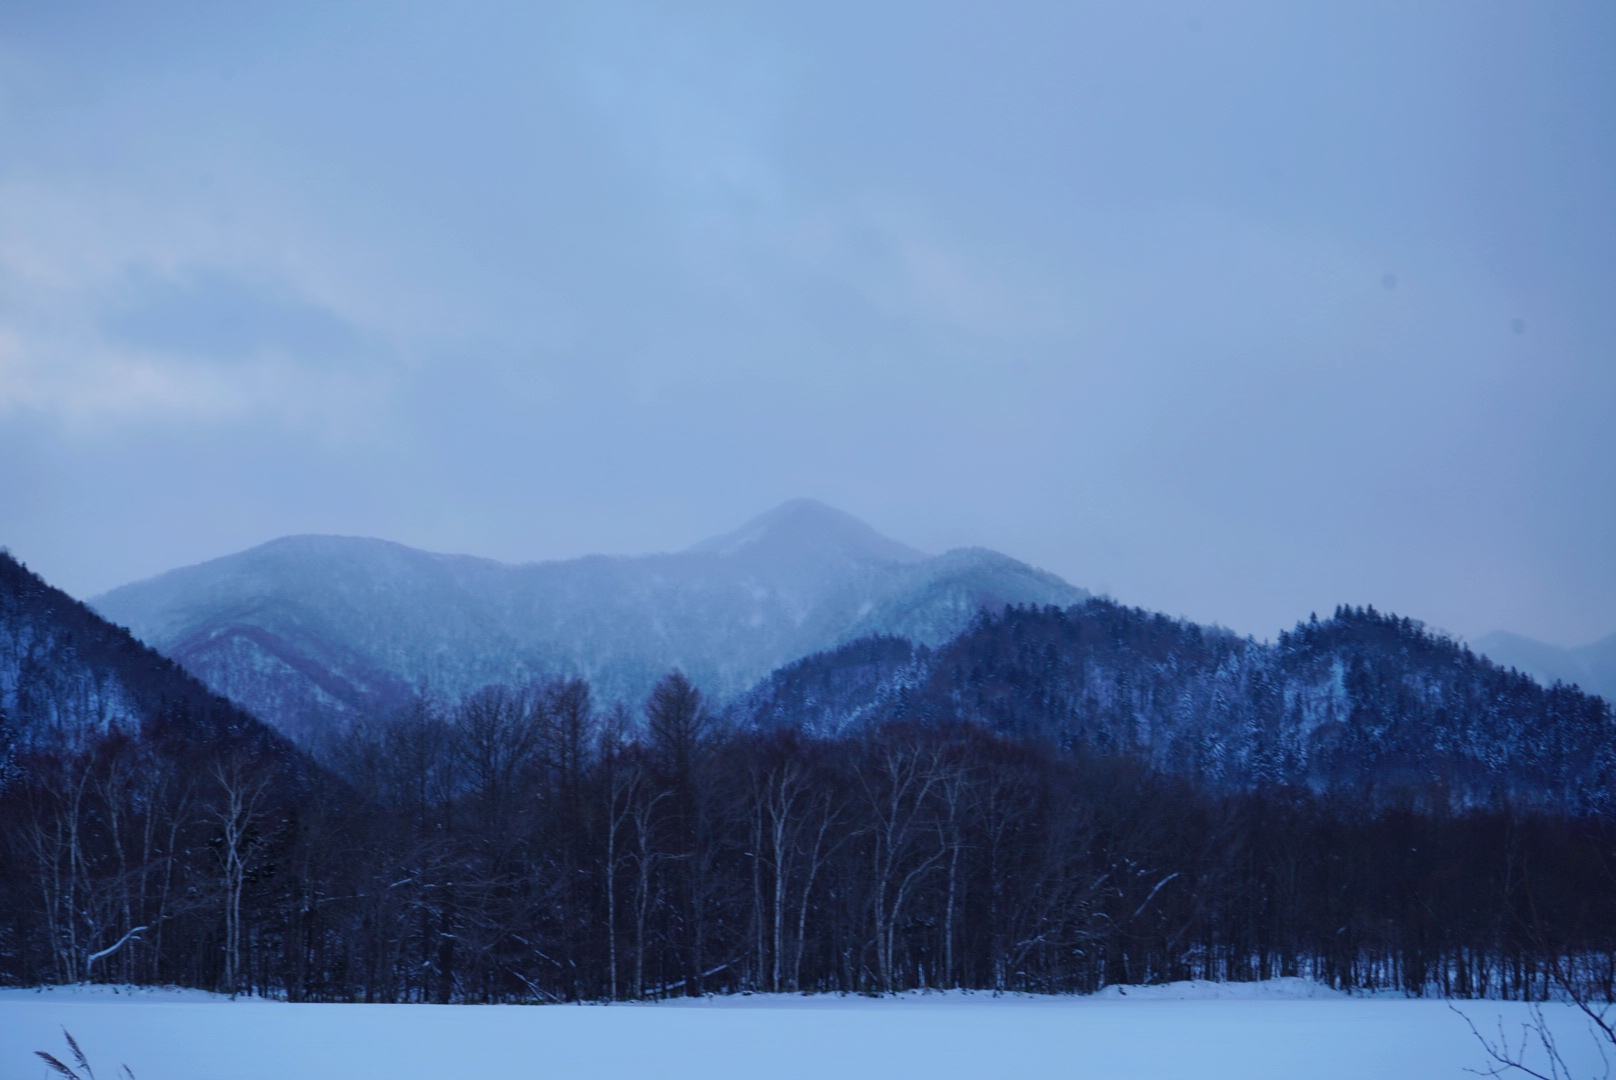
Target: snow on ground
1287	1028
1203	990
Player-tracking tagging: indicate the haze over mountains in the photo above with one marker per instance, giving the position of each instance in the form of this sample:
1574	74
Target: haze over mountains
308	630
1592	667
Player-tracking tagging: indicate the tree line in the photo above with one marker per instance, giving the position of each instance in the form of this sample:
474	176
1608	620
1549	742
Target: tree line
528	844
1363	702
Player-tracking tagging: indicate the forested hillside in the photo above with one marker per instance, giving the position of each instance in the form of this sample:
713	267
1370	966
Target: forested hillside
133	800
1361	704
69	678
1055	801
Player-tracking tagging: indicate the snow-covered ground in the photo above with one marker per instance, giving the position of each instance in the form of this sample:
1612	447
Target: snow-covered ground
1288	1028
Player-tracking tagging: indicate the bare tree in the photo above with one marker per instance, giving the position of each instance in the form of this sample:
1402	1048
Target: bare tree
954	790
897	778
621	780
821	834
55	840
642	803
242	786
1537	1042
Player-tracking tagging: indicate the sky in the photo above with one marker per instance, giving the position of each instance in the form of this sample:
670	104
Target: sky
1234	311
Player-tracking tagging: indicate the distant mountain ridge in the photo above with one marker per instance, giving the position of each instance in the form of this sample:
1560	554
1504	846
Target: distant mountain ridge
1591	667
310	630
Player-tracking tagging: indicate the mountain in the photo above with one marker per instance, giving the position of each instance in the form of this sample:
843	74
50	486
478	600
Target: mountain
1363	704
69	679
1592	667
309	630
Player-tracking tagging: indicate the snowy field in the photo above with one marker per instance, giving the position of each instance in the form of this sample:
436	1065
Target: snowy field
1286	1029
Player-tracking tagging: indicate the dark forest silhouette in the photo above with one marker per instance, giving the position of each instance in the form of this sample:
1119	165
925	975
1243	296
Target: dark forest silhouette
1024	809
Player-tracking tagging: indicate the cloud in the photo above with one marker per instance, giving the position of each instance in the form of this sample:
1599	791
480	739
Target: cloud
86	385
210	313
119	308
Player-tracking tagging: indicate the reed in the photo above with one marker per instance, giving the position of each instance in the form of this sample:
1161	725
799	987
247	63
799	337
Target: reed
69	1073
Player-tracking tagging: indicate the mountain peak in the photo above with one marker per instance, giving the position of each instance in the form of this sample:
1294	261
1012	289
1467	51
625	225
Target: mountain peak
808	526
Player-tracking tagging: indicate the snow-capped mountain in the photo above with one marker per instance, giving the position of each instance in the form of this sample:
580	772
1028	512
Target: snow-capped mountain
310	629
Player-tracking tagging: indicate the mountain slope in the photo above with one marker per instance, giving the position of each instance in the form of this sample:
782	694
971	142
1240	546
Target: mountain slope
1361	703
308	630
69	678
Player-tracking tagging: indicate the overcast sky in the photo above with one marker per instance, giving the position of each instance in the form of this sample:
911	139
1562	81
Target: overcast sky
1233	311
